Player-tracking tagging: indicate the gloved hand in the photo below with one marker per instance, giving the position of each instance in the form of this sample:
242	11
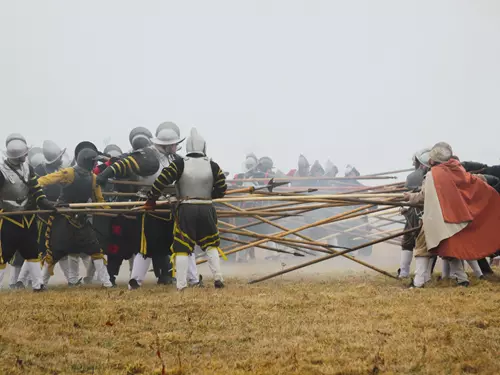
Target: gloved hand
44	204
150	204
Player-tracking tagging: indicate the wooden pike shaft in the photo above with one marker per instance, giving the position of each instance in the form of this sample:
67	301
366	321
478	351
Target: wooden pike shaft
392	172
260	246
330	256
322	178
306	240
293	231
325	249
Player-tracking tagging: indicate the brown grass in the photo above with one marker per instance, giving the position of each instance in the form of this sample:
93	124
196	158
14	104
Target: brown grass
352	325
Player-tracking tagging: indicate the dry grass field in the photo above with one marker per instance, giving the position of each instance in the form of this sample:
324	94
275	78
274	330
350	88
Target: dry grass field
358	324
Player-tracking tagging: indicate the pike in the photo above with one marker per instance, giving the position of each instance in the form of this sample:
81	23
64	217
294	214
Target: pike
262	246
330	256
251	189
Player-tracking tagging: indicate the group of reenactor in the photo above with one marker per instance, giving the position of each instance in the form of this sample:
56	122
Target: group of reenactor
39	186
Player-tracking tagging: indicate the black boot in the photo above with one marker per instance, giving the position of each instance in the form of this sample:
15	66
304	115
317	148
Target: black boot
485	266
41	289
218	284
133	284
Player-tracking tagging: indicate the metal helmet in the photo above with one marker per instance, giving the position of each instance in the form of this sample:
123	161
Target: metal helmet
303	163
16	146
423	157
195	143
13	136
82	145
317	168
35	156
330	168
112	150
168	125
52	152
86	159
251	162
166	137
140	137
441	152
444	145
349	169
266	163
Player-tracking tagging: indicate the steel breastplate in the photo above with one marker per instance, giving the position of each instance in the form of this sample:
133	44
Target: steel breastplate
197	180
14	195
80	190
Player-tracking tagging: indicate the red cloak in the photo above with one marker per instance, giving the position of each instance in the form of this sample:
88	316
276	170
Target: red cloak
464	197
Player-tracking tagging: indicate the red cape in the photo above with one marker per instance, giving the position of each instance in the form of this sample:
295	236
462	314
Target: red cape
465	198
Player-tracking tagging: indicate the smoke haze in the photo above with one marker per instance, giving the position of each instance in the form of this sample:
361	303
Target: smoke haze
361	82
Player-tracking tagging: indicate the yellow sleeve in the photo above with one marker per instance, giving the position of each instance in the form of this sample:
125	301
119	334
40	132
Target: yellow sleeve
64	176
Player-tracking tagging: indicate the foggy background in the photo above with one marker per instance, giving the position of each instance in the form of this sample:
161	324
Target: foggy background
360	82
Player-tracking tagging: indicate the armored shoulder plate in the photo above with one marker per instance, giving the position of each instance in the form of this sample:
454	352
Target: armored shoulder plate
147	161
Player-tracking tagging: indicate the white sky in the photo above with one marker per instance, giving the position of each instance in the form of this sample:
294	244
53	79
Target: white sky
362	82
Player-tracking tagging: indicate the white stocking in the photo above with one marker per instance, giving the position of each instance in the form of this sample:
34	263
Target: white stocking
140	269
214	263
192	272
102	273
15	273
181	270
404	268
421	266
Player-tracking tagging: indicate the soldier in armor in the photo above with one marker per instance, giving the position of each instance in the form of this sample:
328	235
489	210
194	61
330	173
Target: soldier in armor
198	180
252	169
412	215
70	235
20	191
316	171
303	170
120	236
156	228
168	125
140	138
331	170
53	155
350	240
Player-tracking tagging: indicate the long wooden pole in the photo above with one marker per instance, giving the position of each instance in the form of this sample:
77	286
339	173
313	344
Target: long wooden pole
292	231
229	239
331	256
